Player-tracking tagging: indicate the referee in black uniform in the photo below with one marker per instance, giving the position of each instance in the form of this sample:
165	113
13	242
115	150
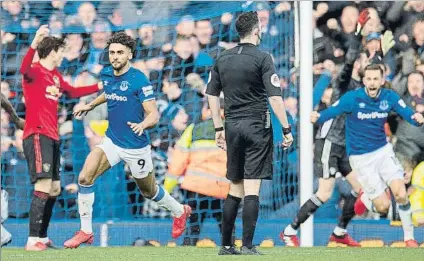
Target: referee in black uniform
248	80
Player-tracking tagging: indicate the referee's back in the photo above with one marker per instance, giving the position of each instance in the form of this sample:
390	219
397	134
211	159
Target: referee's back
246	77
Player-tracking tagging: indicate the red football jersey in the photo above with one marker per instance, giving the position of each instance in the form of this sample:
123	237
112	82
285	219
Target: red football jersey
42	90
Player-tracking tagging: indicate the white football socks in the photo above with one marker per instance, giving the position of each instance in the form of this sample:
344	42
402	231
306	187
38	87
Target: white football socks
166	201
290	231
85	208
406	218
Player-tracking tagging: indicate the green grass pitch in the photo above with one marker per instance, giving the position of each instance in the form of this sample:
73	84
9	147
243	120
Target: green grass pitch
206	254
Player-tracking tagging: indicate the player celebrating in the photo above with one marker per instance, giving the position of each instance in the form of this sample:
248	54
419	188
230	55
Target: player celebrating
42	86
369	153
330	157
131	109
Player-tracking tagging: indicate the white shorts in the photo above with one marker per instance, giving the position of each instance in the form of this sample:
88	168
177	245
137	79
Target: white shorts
138	160
376	170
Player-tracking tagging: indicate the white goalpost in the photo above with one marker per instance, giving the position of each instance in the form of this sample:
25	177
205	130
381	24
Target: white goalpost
305	34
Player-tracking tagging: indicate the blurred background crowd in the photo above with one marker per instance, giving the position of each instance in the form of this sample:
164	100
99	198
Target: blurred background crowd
177	43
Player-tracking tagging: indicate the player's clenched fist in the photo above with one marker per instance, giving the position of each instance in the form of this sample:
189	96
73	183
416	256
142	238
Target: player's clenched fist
315	116
137	128
42	32
418	117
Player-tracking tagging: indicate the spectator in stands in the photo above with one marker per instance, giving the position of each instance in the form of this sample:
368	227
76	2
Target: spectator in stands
56	24
186	26
179	62
64	6
415	53
72	59
145	42
203	31
13	14
87	15
96	57
189	97
323	48
401	15
410	142
205	49
16	179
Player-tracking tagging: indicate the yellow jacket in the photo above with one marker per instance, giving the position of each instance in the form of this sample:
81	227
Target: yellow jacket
199	161
417	197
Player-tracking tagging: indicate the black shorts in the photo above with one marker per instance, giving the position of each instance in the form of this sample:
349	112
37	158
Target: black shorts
249	149
43	157
330	159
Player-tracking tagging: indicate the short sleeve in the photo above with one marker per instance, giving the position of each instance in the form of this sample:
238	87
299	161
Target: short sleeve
270	78
214	86
146	93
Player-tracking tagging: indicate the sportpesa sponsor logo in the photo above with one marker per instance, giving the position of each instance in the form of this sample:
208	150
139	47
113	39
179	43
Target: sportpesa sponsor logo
372	115
115	97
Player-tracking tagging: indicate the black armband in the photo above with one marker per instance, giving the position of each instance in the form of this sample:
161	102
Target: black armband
287	130
219	129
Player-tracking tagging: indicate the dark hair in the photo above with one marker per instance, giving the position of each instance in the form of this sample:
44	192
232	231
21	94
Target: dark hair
124	39
374	67
49	44
246	22
417	72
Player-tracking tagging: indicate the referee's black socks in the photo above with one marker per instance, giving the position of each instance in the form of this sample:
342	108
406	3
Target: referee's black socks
305	211
250	217
36	214
229	216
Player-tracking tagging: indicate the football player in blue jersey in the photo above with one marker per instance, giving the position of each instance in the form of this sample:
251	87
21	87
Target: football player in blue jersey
370	155
131	110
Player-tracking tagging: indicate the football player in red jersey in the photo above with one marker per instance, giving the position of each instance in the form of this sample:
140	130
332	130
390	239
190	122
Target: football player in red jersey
42	86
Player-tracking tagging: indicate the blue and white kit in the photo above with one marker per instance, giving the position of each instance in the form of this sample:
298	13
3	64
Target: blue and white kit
370	154
124	96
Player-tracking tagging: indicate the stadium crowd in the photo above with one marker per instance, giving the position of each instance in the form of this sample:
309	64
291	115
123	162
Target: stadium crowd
177	57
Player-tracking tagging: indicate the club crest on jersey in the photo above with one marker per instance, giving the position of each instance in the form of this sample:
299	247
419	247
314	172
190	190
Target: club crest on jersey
124	86
46	167
384	105
52	92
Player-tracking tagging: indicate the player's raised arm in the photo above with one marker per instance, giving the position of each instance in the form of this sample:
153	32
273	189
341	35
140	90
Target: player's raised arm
344	105
26	69
84	109
414	118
